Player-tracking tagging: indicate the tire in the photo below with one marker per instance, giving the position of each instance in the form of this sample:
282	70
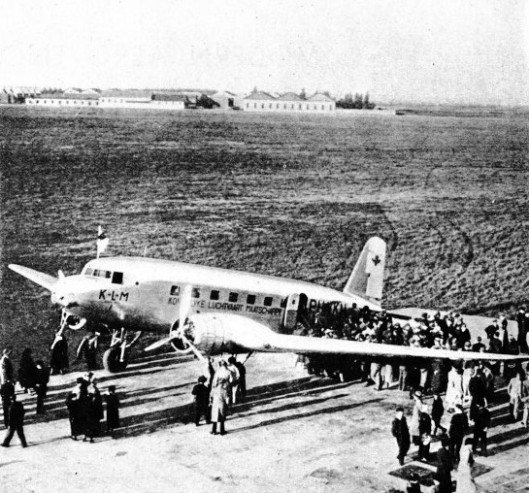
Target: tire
111	360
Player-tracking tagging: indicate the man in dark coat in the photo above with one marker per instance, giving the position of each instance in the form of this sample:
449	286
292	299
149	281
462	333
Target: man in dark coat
457	431
437	413
481	425
59	360
74	415
523	326
400	431
444	467
477	388
112	401
201	400
42	377
16	423
7	391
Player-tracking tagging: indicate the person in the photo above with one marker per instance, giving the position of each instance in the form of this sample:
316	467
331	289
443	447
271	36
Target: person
74	414
521	319
112	401
59	360
6	367
516	390
454	392
16	423
219	397
399	429
478	346
444	467
7	391
96	412
414	423
425	430
478	390
235	379
465	481
457	431
42	377
481	426
437	413
27	371
242	378
201	400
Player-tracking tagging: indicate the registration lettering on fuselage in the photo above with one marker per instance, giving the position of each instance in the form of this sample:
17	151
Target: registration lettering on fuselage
111	295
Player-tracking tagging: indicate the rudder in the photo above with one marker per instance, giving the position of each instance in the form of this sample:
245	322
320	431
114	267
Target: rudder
367	278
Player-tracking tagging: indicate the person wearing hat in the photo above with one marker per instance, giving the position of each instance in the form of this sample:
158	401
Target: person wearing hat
200	394
444	467
112	401
220	397
457	431
16	423
6	367
399	429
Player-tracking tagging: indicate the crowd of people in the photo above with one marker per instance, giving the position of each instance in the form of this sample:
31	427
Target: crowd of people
436	331
84	403
86	410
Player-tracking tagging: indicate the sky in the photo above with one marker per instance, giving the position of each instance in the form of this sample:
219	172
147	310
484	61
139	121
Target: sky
443	51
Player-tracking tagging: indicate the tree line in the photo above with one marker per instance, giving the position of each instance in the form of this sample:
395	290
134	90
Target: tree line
356	102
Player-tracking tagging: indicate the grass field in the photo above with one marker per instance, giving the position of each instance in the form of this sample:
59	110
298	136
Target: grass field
295	196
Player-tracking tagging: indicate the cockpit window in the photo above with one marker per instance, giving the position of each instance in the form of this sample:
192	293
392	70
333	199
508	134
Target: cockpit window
88	271
117	278
106	274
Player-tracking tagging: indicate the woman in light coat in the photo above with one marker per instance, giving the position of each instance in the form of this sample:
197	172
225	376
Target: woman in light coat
465	481
454	391
220	392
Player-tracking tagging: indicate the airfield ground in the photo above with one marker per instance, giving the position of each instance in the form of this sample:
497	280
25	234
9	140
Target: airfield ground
287	195
294	433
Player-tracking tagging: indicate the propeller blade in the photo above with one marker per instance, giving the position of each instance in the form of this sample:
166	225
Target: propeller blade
44	280
198	354
61	274
185	304
161	342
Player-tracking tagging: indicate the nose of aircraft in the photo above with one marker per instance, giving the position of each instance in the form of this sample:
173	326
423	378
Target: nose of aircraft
68	291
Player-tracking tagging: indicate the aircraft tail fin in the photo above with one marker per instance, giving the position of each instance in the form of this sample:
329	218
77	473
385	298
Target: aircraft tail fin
367	279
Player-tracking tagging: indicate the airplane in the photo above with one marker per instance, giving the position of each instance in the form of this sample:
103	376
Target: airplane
209	311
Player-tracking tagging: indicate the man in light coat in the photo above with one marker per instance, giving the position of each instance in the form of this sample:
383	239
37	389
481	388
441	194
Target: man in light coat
220	389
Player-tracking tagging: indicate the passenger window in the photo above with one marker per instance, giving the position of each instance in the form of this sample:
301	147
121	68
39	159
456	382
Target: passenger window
214	295
175	290
117	278
268	301
195	293
233	297
250	299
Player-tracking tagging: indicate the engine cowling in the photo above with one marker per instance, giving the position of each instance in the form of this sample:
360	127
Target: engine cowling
215	333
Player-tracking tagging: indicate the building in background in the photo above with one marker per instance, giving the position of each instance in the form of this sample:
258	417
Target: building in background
288	102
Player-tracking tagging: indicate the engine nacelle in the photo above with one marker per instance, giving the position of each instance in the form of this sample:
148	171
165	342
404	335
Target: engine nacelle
215	333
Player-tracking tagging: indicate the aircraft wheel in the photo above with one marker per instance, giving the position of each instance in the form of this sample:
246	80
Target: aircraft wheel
111	360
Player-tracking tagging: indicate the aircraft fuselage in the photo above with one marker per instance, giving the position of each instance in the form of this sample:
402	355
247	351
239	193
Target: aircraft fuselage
144	294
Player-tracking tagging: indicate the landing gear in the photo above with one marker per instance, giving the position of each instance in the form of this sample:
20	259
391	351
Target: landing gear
115	358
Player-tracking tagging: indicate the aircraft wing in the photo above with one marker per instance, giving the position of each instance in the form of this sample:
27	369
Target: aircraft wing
44	280
237	331
317	345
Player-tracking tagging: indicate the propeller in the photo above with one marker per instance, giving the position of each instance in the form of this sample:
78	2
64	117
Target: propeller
179	333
